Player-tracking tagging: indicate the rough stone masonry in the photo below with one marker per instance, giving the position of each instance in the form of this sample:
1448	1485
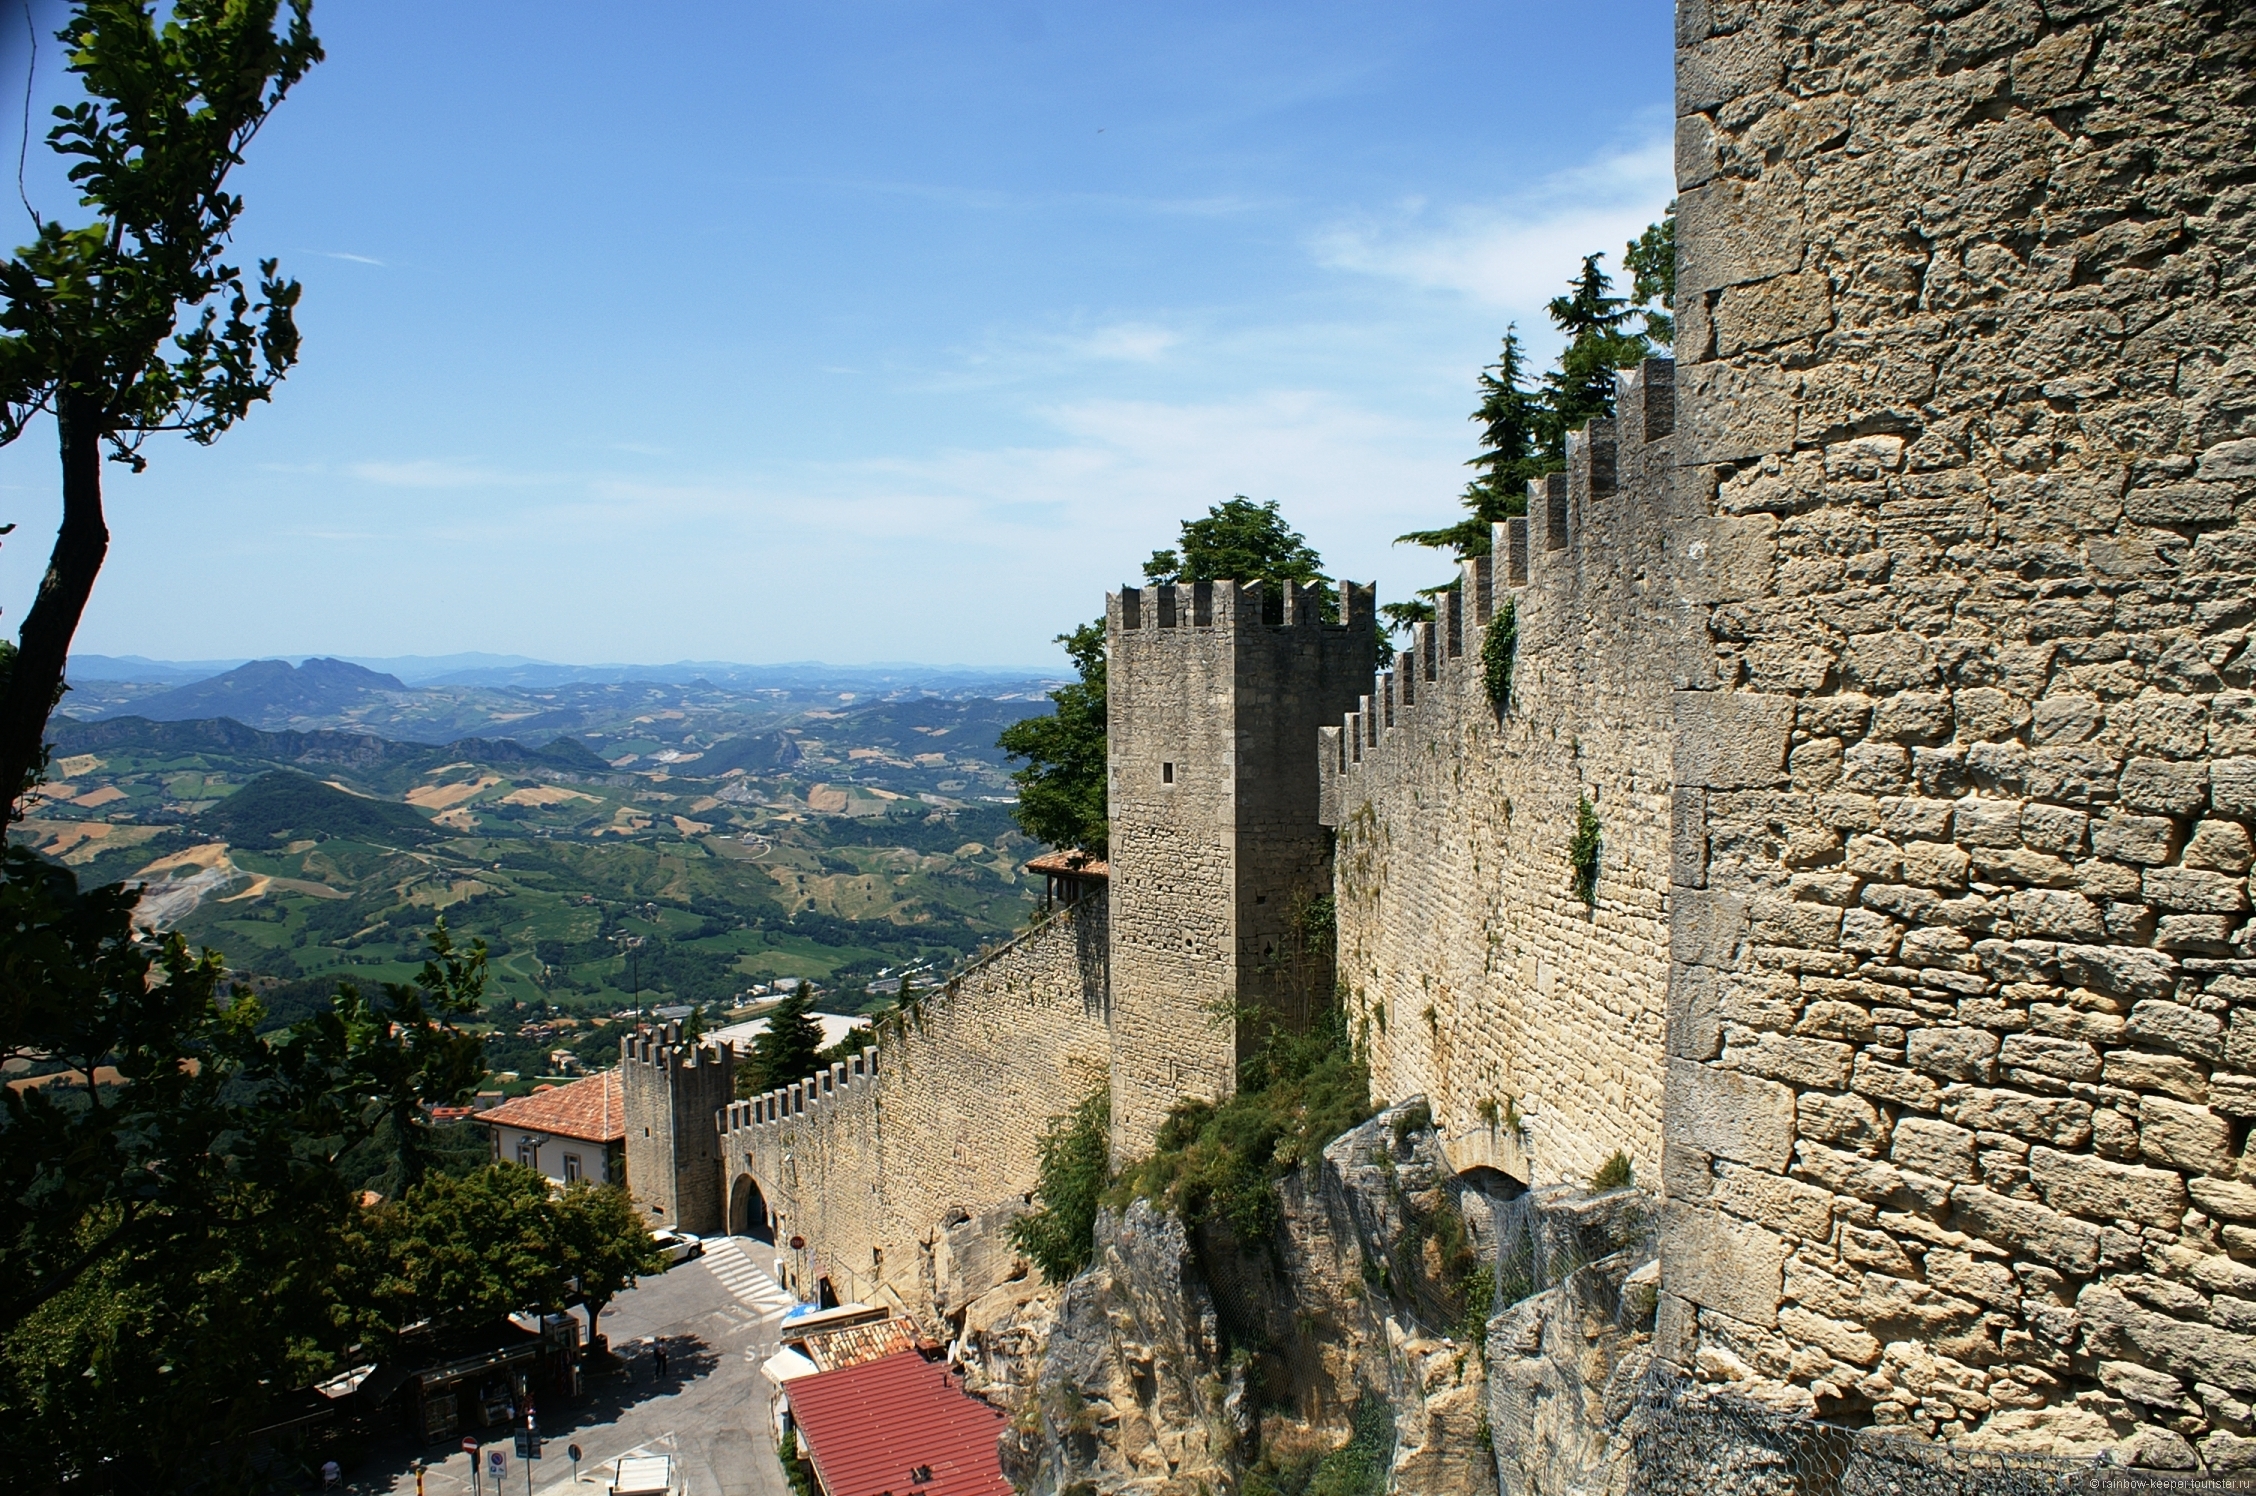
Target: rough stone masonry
1911	651
1894	640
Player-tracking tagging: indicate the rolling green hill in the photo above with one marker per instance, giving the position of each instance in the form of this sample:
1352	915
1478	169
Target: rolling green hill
840	843
283	804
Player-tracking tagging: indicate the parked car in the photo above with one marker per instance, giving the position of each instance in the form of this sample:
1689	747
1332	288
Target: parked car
680	1245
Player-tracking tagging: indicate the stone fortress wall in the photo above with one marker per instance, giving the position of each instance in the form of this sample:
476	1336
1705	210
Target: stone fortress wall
939	1119
1473	972
1214	694
1963	1005
1898	637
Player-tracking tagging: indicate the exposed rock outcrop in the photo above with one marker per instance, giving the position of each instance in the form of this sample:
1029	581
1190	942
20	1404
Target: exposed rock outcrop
1183	1358
1568	1354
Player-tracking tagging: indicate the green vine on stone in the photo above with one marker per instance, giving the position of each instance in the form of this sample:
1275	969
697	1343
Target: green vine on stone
1582	852
1496	655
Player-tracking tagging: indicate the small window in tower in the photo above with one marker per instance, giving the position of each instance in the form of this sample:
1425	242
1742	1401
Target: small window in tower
1166	773
571	1168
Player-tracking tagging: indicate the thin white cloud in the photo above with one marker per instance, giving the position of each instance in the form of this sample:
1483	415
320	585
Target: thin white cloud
1518	253
1127	342
427	473
338	254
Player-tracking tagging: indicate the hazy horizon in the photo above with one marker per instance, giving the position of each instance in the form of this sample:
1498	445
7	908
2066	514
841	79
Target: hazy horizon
856	331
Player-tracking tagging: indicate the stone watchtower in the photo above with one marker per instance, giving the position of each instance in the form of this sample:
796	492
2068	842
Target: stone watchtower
673	1090
1215	690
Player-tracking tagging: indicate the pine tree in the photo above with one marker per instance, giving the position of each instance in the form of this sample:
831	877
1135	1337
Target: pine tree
1523	431
1512	422
1582	387
1651	261
786	1049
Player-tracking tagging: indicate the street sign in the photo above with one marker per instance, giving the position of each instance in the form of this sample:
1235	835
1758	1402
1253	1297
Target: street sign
470	1446
528	1445
497	1462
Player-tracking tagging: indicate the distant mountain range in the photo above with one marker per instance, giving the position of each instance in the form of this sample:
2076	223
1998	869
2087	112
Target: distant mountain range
475	669
271	689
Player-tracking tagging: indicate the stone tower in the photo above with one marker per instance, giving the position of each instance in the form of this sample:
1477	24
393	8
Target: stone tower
674	1091
1215	694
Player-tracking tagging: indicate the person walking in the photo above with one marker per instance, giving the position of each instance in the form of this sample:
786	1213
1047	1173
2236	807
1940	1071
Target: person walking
661	1354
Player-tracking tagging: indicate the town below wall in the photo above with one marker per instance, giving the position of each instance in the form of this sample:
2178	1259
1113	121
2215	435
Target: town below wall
938	1122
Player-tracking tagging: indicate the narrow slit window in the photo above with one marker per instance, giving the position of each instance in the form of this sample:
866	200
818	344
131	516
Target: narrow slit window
1166	773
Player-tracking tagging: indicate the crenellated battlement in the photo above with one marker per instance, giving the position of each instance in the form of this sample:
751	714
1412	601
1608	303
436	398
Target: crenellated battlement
664	1048
944	1111
789	1103
1578	525
1236	606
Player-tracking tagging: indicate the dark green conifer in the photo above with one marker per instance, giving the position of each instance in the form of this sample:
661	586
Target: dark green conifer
1582	387
1513	421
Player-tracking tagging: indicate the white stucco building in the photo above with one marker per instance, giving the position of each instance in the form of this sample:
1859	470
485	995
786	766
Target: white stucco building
569	1132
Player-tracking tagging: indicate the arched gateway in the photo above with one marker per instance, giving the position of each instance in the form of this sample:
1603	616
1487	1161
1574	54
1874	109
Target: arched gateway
748	1211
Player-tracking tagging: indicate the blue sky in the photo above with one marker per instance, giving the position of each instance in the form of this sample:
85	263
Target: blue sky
861	331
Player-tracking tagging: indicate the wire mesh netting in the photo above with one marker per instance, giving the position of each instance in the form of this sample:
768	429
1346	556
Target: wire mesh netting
1544	1237
1685	1441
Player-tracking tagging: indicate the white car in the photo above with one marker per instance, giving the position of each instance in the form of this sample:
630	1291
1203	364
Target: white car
680	1245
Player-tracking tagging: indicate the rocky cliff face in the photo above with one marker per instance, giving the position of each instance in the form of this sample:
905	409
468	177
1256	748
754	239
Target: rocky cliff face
1568	1354
1184	1360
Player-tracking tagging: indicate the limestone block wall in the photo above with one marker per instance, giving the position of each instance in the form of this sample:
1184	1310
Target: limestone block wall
1962	1039
942	1116
1213	703
1473	971
670	1089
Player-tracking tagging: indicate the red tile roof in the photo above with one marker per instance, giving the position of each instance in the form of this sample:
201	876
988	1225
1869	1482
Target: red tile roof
870	1428
592	1110
856	1345
1071	863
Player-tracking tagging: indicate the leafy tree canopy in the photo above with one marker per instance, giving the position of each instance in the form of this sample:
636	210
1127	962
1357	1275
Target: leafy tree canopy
180	1192
1239	540
1061	791
472	1248
133	322
1076	1166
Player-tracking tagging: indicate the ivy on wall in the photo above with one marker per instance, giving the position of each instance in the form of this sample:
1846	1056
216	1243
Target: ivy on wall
1582	852
1496	655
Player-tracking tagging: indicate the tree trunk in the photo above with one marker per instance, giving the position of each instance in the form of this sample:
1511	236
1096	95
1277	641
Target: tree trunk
43	644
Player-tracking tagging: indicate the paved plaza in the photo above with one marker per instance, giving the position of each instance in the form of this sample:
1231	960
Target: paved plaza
716	1316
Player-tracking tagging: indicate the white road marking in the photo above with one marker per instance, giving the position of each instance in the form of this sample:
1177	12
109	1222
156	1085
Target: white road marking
746	1279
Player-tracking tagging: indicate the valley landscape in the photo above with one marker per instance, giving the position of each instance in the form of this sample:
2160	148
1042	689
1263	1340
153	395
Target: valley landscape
612	841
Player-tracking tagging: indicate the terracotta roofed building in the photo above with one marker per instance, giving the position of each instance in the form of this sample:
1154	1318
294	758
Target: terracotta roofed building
897	1426
569	1132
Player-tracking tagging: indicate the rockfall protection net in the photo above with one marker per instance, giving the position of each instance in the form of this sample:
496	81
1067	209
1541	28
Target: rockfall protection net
1686	1441
1539	1245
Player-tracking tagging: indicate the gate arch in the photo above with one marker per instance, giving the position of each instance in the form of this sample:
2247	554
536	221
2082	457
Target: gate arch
749	1214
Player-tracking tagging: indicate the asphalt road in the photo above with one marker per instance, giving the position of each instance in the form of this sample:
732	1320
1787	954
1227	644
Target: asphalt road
716	1316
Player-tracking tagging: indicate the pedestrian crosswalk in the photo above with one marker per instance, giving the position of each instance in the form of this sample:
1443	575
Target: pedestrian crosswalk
746	1279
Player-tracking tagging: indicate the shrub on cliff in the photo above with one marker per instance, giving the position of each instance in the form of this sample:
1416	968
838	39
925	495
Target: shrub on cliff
1222	1161
1060	1233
